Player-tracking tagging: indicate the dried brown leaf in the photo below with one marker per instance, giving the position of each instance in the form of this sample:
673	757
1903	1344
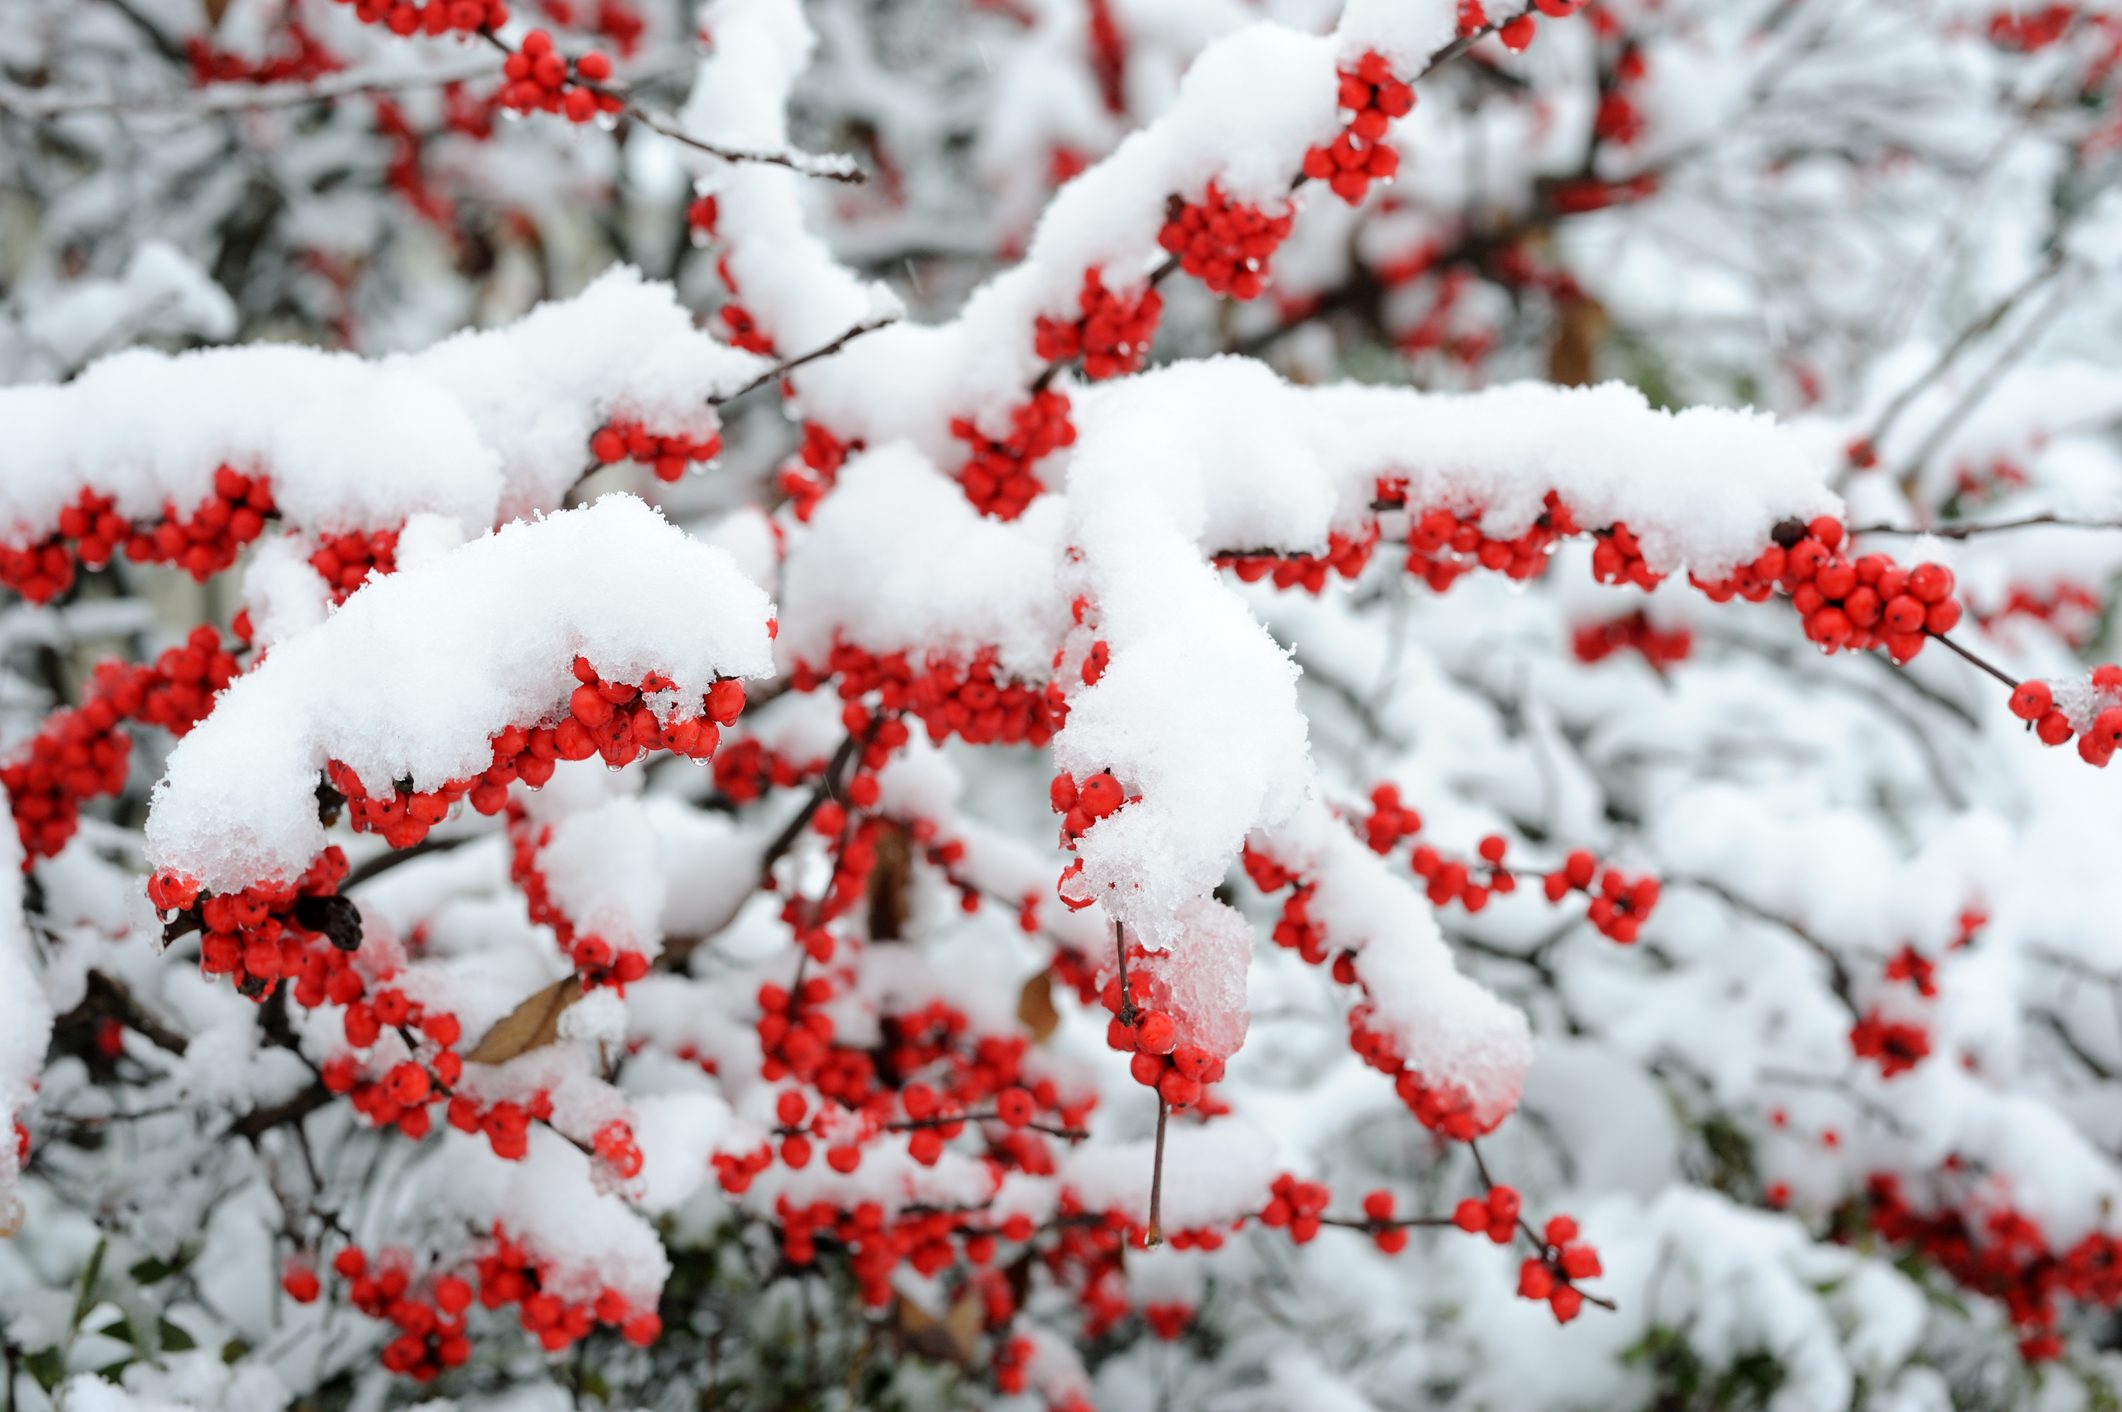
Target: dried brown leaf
954	1338
532	1025
1035	1007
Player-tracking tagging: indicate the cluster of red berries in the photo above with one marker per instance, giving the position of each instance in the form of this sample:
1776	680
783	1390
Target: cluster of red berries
1618	119
432	17
264	933
877	1243
346	561
1295	929
745	769
595	960
1295	1206
1918	970
1551	1275
1177	1071
1495	1216
1443	1108
1450	326
202	544
505	1125
1896	1046
741	330
510	1273
969	698
2027	29
301	59
795	1034
405	172
1081	807
430	1313
80	753
1577	196
430	1323
1108	57
1516	32
1373	99
1443	544
2071	611
1619	905
1226	244
1110	333
402	1096
997	475
1617	558
667	455
851	847
2004	1255
540	79
611	719
614	1146
1345	555
821	456
1848	605
1389	820
43	570
1471	885
219	527
1632	632
616	20
1386	1232
2095	718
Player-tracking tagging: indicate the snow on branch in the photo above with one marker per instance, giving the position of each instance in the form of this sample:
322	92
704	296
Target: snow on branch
1233	145
184	458
416	678
1196	709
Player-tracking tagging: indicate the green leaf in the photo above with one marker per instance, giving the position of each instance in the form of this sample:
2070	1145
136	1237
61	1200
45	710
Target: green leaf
154	1269
120	1328
46	1366
174	1338
85	1300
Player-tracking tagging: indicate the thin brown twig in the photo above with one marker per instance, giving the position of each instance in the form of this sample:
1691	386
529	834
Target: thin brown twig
1154	1236
1996	314
783	369
840	169
1991	527
1998	672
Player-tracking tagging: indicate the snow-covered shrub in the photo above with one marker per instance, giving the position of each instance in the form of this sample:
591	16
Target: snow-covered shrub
1060	703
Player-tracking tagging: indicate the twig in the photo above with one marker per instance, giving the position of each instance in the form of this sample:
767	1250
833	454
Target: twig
233	97
830	168
1154	1236
1995	315
840	169
1992	527
783	369
384	862
1987	383
828	785
1999	673
1525	1228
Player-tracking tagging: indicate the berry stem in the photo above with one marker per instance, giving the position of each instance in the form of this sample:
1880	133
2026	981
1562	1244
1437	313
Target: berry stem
1155	1235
